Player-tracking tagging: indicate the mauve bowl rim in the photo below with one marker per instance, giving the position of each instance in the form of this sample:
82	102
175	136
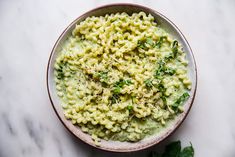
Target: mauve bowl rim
166	134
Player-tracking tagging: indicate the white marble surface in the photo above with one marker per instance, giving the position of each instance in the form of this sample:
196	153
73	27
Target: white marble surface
28	30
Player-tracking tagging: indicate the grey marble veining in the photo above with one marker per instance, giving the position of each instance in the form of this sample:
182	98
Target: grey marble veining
29	126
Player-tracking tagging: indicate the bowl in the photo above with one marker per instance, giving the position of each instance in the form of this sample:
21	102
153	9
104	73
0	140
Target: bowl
117	146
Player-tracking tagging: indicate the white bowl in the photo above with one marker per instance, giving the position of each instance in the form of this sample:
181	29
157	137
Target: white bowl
117	146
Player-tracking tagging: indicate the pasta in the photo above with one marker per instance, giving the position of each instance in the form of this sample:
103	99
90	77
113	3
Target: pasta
121	77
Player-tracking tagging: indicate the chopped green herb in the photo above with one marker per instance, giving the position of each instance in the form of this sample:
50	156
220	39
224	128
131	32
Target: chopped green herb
130	107
141	44
161	63
102	76
117	88
132	99
160	42
122	82
174	48
160	70
148	83
169	57
115	98
170	71
181	99
161	87
127	82
60	71
163	70
163	97
159	73
149	41
60	74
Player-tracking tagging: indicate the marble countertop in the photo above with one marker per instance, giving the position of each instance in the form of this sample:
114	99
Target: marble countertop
29	126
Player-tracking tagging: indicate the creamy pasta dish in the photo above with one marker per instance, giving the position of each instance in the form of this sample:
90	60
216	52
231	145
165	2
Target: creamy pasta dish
121	77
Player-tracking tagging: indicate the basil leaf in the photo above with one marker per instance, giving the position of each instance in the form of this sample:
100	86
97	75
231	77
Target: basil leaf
148	83
160	41
159	73
130	107
141	44
115	98
187	152
160	70
170	71
122	82
169	57
60	74
60	70
102	76
172	150
116	90
174	48
127	82
149	41
163	97
161	87
181	99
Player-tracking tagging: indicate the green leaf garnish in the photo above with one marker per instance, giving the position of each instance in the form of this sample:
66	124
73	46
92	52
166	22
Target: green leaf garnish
174	48
172	150
60	74
143	44
162	89
163	70
187	151
149	41
160	42
163	97
170	71
148	83
127	82
116	90
117	87
122	82
169	57
60	70
160	70
102	76
130	107
181	99
115	98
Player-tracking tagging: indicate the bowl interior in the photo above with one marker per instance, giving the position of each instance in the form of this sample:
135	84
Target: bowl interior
115	145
